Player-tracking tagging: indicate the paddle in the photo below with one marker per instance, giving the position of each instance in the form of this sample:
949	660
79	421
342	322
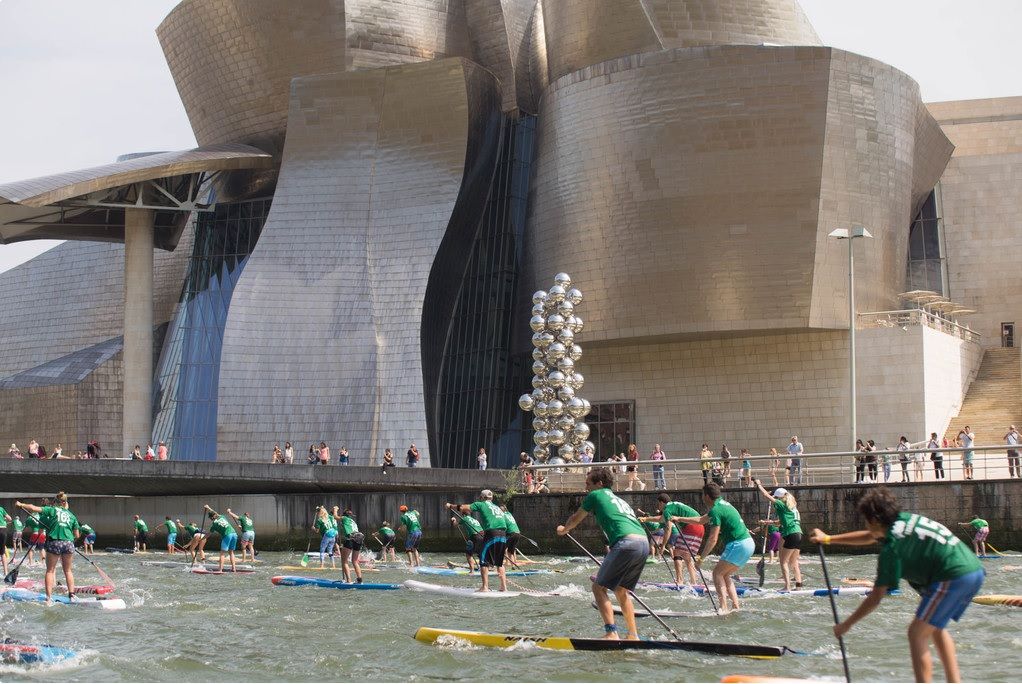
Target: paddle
702	577
630	592
531	541
761	565
991	546
833	608
12	576
106	577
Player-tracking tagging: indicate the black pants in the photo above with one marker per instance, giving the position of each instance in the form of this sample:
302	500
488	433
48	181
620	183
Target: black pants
1013	464
860	472
938	466
904	471
872	471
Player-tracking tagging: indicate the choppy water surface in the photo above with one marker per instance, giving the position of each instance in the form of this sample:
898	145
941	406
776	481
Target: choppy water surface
183	627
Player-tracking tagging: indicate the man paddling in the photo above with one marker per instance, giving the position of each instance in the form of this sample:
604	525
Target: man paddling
88	539
413	533
981	530
494	536
247	534
933	560
4	519
629	548
387	537
62	529
684	540
351	548
36	536
514	535
141	533
228	537
18	529
726	524
171	534
196	540
472	531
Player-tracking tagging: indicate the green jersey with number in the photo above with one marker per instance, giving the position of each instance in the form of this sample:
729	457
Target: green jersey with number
246	523
615	517
469	525
490	515
725	516
59	522
923	552
324	525
18	525
349	526
386	532
512	524
790	519
680	510
978	523
222	527
411	521
140	526
171	527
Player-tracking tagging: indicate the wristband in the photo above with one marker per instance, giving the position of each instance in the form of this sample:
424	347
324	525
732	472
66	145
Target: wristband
826	539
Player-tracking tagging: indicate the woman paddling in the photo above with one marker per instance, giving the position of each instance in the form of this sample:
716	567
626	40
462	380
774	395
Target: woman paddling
791	531
196	542
351	548
629	549
62	529
325	526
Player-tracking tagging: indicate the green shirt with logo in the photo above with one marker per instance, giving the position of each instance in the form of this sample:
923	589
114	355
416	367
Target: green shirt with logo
790	519
490	515
192	529
246	523
87	530
469	525
978	523
725	516
411	521
325	525
349	526
512	524
923	552
59	522
615	517
140	526
171	527
677	509
387	532
222	527
18	525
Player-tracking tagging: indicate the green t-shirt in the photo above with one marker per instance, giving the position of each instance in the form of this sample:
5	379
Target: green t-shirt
512	524
387	532
469	525
349	526
324	525
140	526
773	528
246	523
18	525
978	523
652	525
615	517
59	522
171	527
32	524
411	521
729	520
791	520
3	518
222	527
923	552
677	509
191	529
490	515
86	529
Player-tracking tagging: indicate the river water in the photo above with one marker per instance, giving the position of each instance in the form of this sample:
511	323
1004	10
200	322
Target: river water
184	627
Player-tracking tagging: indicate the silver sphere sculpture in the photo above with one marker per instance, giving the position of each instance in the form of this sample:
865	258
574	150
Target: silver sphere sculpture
526	402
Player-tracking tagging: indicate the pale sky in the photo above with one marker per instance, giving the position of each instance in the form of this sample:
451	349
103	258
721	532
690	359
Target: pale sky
84	82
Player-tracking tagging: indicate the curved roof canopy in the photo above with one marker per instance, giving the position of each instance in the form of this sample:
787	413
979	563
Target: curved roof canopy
89	204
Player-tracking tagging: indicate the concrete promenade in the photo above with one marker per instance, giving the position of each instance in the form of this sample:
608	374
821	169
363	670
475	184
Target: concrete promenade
169	478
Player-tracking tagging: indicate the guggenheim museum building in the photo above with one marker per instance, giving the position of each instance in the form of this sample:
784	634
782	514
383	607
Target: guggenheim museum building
350	253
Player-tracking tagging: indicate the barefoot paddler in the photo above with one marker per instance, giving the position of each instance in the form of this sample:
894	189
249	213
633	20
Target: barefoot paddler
247	534
494	536
387	538
413	533
684	540
62	529
196	540
933	560
141	533
88	538
4	519
327	527
171	534
351	547
228	536
629	548
472	531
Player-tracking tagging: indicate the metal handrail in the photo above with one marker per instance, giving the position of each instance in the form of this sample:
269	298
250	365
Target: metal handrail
923	317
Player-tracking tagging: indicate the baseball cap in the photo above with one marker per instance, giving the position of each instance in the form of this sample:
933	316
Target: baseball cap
779	492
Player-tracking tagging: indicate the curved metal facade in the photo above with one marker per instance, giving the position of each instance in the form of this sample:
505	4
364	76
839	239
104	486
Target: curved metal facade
338	321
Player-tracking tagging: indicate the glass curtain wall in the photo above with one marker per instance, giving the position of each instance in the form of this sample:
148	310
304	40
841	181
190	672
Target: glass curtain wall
477	393
611	428
188	374
927	268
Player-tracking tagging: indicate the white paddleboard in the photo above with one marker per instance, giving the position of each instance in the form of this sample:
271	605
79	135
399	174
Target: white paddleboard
461	592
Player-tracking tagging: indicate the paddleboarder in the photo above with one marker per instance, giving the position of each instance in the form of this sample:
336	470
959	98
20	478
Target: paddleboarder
387	538
88	539
981	530
684	540
514	535
726	525
629	549
326	526
18	528
141	533
228	537
472	531
62	529
933	561
247	534
171	534
36	536
4	519
196	540
491	517
351	549
791	532
413	533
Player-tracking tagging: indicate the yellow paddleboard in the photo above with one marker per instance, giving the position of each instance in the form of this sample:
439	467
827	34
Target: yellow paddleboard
998	600
737	678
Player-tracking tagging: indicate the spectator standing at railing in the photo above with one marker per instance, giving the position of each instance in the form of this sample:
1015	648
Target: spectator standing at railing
33	449
524	466
1012	439
161	451
659	480
885	459
633	470
966	438
412	457
289	453
313	455
481	459
746	467
870	457
775	463
342	456
324	454
860	461
903	458
795	451
706	462
725	460
936	456
917	466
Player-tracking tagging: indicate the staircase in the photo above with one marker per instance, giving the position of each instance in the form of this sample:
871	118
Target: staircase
994	399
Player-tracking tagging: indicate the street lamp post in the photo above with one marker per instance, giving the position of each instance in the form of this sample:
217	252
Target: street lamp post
850	235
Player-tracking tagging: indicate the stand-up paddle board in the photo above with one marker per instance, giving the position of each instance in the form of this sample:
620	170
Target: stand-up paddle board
111	549
430	635
739	678
642	612
310	568
998	600
204	570
451	572
184	564
694	588
462	592
294	581
39	585
16	652
100	602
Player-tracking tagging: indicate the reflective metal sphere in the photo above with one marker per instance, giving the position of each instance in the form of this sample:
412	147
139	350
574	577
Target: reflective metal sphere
555	352
565	308
580	431
563	279
590	446
555	379
589	407
554	437
541	437
546	339
577	325
566	365
537	395
575	408
526	402
555	322
537	339
574	295
565	423
565	336
566	393
567	452
537	323
539	297
574	352
554	408
538	355
576	380
538	310
556	294
540	424
538	381
540	409
539	368
549	394
540	453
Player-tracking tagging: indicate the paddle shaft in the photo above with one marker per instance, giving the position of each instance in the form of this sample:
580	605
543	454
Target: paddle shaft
12	576
106	577
833	608
699	567
630	592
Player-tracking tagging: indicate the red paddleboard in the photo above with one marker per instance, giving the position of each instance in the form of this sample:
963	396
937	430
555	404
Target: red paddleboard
38	585
225	571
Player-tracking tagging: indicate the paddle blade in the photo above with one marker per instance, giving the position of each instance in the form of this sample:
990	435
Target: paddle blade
305	561
12	576
761	571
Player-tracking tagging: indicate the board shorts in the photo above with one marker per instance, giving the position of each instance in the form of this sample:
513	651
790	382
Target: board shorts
354	542
494	548
793	540
141	537
412	540
738	552
91	538
59	547
248	536
947	600
474	543
689	541
773	541
624	564
982	534
3	539
171	538
37	539
229	543
968	457
512	542
388	542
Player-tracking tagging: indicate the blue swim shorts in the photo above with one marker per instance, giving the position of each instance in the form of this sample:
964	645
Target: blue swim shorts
412	541
229	543
739	552
171	538
947	600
